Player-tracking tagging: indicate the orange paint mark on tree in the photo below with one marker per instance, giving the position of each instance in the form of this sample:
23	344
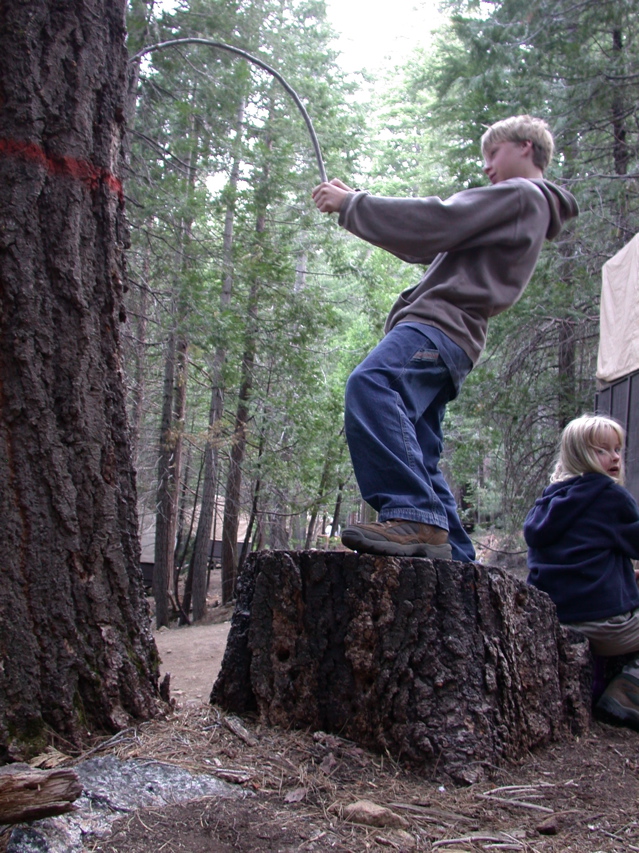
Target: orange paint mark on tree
81	170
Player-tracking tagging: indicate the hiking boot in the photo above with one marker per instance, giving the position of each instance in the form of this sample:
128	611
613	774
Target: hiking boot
619	703
398	538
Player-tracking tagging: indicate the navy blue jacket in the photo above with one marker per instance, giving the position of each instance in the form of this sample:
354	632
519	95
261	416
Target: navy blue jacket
581	535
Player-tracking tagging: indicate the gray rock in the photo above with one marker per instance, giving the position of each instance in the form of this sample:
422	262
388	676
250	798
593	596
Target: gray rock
112	789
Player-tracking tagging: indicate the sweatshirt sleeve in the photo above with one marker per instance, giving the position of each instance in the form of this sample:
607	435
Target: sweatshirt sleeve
625	532
417	230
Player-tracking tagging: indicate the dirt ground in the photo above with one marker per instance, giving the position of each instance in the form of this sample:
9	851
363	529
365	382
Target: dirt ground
304	791
192	655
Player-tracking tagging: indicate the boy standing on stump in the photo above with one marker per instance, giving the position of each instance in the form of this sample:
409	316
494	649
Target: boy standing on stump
482	245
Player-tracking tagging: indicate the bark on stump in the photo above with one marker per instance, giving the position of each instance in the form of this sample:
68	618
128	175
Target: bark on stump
447	666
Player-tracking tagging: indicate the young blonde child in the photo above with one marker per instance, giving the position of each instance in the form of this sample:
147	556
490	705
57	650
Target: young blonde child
582	536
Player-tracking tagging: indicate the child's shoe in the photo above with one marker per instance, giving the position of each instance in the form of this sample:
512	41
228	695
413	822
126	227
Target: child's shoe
398	538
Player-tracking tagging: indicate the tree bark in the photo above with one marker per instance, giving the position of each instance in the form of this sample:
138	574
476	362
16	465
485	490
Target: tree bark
200	557
255	507
166	494
138	347
446	666
567	354
76	651
338	508
185	606
169	473
621	152
231	522
321	496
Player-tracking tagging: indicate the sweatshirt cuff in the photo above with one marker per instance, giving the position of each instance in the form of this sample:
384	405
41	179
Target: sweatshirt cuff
348	203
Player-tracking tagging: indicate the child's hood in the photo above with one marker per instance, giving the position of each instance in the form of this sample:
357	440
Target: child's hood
563	206
561	504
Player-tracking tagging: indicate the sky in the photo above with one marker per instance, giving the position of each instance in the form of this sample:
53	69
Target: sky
378	35
375	34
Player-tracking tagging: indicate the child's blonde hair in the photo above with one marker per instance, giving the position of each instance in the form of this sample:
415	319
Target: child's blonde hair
578	447
522	128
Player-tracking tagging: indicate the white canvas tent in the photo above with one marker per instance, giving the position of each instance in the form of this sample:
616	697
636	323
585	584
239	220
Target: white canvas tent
619	320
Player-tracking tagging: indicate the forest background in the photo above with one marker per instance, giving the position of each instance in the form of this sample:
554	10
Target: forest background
247	309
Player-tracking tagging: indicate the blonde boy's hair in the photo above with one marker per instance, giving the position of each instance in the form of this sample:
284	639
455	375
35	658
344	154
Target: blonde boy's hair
522	128
578	447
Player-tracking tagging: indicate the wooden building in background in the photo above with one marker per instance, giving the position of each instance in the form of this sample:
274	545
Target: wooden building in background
618	357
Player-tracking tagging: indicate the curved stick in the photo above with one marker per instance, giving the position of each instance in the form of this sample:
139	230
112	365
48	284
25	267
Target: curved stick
255	61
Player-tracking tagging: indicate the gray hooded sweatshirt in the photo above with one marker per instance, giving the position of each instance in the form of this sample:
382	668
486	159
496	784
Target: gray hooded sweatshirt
482	245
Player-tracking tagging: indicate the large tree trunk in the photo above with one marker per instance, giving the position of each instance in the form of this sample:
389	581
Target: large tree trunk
447	666
76	651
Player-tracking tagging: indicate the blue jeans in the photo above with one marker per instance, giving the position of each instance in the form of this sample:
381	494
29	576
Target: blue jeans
395	404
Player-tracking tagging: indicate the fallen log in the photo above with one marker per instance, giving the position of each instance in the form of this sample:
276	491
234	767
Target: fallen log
446	666
28	794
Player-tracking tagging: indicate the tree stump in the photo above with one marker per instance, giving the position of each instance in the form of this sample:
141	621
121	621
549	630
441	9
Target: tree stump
447	666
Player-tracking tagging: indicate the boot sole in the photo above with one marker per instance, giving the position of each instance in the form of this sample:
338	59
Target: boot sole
386	548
